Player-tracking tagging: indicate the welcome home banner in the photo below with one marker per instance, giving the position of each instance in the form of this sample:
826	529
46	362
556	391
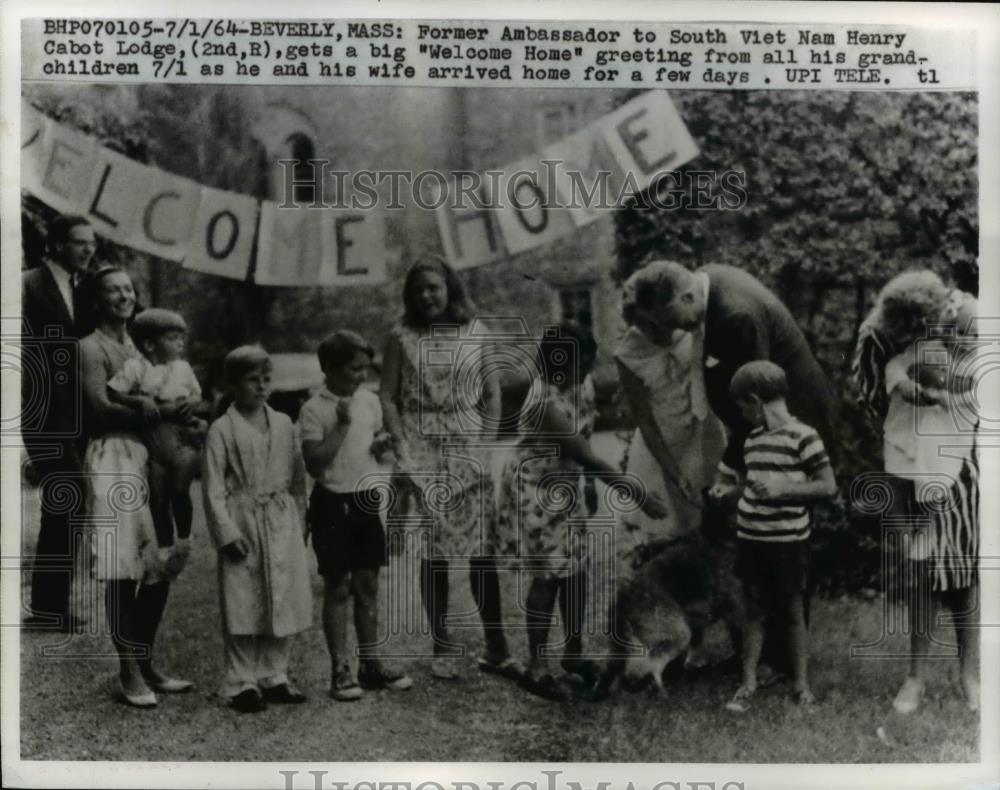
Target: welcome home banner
212	231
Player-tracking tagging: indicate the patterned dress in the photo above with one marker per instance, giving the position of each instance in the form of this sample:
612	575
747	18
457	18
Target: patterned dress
440	407
542	493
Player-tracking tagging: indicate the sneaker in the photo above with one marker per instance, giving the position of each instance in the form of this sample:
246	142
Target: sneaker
344	688
379	677
910	694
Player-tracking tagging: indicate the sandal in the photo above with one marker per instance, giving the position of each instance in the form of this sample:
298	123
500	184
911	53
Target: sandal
740	703
544	686
509	668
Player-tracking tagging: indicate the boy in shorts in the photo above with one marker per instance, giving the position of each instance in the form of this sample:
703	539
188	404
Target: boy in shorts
338	429
787	468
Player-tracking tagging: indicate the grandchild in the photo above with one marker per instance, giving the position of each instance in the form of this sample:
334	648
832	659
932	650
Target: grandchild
254	485
338	428
438	413
787	468
542	494
157	379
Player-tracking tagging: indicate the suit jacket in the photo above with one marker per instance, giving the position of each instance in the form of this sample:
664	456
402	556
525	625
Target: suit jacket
746	321
50	361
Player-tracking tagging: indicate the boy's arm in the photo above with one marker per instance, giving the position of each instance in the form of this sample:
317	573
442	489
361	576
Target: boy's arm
822	486
319	447
822	483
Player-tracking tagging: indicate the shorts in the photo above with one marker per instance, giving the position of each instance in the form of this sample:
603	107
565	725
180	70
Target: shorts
771	574
347	532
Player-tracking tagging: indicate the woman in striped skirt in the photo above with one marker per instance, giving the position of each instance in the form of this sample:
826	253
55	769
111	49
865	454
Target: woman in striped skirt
908	366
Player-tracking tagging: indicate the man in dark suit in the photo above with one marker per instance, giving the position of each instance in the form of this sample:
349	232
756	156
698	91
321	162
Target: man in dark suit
51	411
736	319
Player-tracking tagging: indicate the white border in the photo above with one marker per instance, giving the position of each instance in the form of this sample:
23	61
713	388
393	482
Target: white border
984	19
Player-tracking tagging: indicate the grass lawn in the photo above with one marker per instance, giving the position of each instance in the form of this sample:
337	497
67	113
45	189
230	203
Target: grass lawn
67	714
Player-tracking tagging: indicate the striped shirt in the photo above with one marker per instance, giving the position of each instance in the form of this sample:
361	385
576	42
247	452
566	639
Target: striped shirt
793	453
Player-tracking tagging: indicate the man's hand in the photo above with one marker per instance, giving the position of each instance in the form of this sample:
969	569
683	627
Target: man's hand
237	550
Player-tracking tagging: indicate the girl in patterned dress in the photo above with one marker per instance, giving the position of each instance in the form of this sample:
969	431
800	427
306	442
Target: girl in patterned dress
542	496
907	381
439	408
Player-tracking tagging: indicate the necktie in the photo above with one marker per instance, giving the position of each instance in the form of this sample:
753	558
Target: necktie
699	398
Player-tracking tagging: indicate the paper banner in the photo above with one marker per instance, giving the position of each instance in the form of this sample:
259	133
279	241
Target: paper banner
110	203
527	209
648	136
34	133
354	250
142	207
468	229
166	207
587	176
222	235
289	247
68	161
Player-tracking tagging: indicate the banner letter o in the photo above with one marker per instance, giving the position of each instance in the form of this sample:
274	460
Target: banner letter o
233	236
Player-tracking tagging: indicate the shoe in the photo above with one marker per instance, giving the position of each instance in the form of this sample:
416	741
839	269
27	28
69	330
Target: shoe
284	694
544	686
805	699
509	667
248	701
909	696
378	677
740	703
443	668
344	688
170	685
143	700
583	668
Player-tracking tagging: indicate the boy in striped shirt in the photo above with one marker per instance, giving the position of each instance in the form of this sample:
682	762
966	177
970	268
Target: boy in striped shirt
787	468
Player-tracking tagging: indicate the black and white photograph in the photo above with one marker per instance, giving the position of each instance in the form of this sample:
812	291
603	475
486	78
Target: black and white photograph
396	389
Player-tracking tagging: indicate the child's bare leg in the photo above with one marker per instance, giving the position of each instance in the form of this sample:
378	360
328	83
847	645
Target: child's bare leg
572	607
964	606
120	605
485	583
798	638
921	609
336	597
159	500
753	642
539	608
182	474
434	590
364	584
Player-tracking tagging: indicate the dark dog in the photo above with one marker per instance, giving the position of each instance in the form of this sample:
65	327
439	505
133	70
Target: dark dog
680	588
663	611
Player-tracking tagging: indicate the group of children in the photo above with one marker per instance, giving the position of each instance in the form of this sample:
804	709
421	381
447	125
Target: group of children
254	483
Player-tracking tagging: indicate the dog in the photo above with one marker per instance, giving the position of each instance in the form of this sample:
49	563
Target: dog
661	612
